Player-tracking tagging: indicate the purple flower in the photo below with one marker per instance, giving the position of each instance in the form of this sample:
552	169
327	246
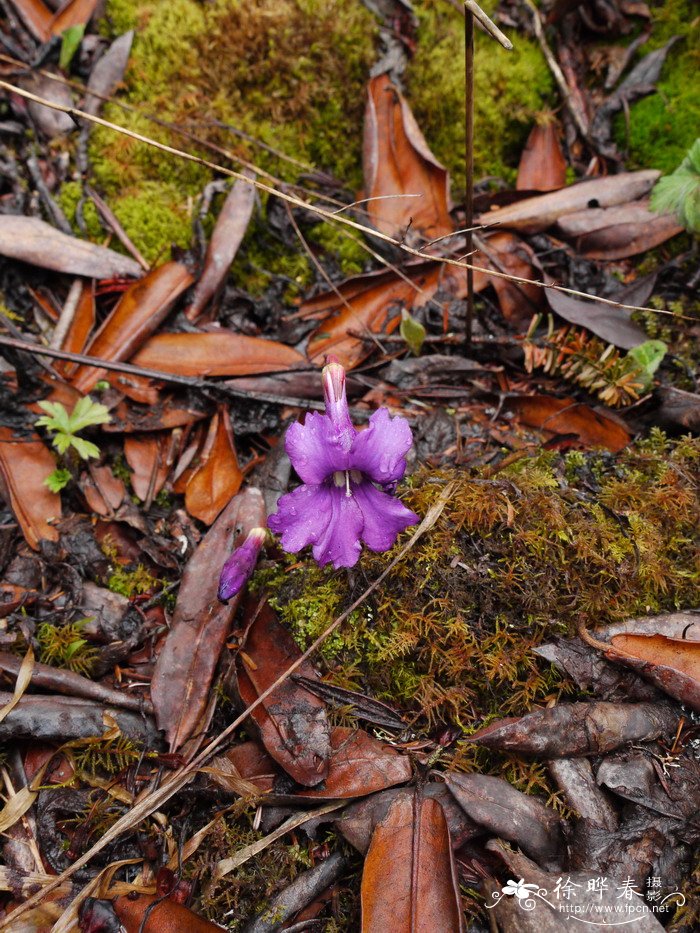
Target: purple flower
348	476
240	565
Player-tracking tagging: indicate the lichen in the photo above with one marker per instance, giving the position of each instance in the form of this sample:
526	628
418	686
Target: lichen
511	88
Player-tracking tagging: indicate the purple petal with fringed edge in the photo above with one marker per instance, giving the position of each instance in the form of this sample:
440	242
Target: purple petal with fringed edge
315	448
385	517
380	451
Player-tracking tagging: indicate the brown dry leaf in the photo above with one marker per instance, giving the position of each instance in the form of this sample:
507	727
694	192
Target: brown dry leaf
34	241
671	664
618	232
218	353
80	329
228	233
185	667
536	214
218	477
73	13
36	16
24	677
506	252
397	161
25	462
542	164
107	74
103	491
614	325
571	729
564	416
168	413
292	722
409	883
147	455
140	311
166	917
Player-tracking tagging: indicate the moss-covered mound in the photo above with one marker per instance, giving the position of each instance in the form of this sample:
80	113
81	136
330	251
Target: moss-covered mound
513	560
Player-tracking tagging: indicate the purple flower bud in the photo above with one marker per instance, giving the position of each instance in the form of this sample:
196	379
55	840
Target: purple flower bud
240	565
348	477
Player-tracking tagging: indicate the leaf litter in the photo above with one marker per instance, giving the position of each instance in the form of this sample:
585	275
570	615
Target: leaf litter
180	473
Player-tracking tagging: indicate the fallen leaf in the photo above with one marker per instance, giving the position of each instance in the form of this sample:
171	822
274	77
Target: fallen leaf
25	462
167	916
409	882
147	455
52	123
102	489
571	729
671	664
397	161
24	676
107	73
614	325
510	814
564	416
291	722
219	353
185	667
536	214
542	165
218	477
80	329
620	232
228	233
34	241
168	413
73	13
36	16
140	311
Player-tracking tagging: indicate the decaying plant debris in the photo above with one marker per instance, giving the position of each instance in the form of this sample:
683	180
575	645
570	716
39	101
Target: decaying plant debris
491	723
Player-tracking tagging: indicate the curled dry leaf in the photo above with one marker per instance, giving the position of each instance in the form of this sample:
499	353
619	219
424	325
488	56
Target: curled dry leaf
564	416
185	667
73	13
148	457
228	233
397	161
542	164
575	778
409	883
25	462
618	232
510	814
570	729
218	477
34	241
103	490
534	215
79	330
140	311
292	722
219	353
671	664
167	916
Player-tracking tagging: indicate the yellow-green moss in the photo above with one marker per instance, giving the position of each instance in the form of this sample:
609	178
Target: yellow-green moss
512	561
510	89
664	125
69	198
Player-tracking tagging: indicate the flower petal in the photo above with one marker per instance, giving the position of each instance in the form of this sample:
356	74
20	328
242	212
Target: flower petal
240	565
315	448
380	451
341	541
302	517
385	516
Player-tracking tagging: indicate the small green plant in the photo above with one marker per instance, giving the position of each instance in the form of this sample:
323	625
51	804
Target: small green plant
65	427
65	646
679	192
58	480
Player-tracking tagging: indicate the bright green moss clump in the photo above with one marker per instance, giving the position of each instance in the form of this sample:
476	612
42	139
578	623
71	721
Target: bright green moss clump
663	126
512	561
510	89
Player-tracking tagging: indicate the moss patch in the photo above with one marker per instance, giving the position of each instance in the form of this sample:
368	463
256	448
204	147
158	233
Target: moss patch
510	89
664	125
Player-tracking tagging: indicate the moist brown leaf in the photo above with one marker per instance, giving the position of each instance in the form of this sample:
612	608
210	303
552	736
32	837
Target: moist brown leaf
168	413
292	722
34	241
575	778
565	416
218	477
73	13
80	328
185	666
397	161
36	16
228	233
409	881
536	214
510	814
110	488
167	916
506	252
671	664
25	462
570	729
611	324
107	74
148	457
218	353
618	232
140	311
542	164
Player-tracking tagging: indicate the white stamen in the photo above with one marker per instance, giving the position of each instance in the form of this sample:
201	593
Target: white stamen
347	484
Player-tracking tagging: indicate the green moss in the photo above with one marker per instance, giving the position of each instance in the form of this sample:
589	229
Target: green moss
69	198
510	89
664	125
511	562
154	218
65	646
341	244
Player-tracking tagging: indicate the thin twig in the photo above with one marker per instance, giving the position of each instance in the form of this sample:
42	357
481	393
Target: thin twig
488	24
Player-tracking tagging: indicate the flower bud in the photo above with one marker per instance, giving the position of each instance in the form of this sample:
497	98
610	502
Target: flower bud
240	565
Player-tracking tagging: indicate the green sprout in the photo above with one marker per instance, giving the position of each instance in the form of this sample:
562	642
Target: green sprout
679	192
65	427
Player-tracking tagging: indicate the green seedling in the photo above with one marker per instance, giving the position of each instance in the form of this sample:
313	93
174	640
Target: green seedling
65	427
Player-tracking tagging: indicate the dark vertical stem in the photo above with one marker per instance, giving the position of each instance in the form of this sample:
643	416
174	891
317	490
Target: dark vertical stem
469	160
